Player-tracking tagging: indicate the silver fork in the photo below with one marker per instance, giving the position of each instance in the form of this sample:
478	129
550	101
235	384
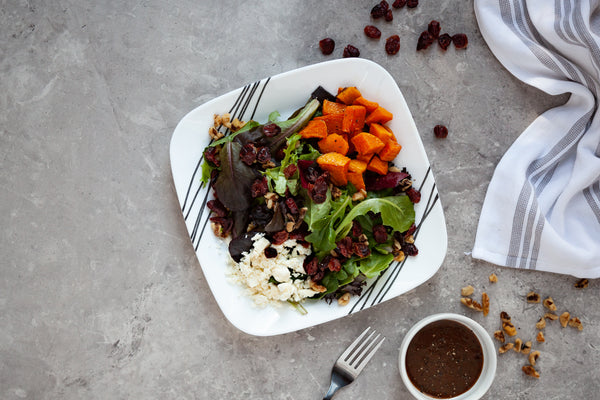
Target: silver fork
353	360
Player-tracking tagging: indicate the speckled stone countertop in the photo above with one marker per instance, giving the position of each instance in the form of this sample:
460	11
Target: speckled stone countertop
101	294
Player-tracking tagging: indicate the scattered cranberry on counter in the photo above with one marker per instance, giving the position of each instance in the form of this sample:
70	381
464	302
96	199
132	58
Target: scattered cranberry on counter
440	131
327	45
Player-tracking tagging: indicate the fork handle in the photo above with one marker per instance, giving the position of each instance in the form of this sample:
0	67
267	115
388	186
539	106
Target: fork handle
332	389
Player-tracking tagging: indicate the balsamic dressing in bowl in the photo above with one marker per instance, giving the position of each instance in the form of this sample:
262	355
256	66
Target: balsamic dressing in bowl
444	359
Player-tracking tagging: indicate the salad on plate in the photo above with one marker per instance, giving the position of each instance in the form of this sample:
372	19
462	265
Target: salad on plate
311	206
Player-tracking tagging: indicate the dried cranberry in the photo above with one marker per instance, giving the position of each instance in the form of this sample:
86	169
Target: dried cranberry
412	3
372	31
319	190
290	170
410	249
271	130
434	28
248	153
380	233
444	41
264	155
212	155
385	5
414	195
270	252
351	51
378	11
460	41
217	208
334	265
311	174
311	265
259	187
356	229
291	205
392	44
440	131
399	3
327	45
361	249
279	237
425	40
389	16
344	247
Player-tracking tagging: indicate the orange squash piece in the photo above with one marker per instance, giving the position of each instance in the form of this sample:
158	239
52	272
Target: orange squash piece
357	166
367	144
380	115
381	132
378	166
354	119
369	105
333	122
356	178
390	151
348	95
314	129
337	166
331	107
334	142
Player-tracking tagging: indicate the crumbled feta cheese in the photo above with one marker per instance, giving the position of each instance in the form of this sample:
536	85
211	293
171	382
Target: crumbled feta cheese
255	271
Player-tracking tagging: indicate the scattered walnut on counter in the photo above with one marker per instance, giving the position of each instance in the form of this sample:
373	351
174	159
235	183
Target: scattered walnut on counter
582	283
467	291
541	324
533	357
530	371
504	316
509	328
540	337
551	316
549	304
564	319
518	344
472	304
576	323
526	347
503	349
493	278
485	303
533	297
499	336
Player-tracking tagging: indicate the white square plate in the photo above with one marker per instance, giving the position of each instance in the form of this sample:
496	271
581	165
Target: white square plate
286	93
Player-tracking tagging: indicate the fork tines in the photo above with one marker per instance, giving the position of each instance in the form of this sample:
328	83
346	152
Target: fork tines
362	349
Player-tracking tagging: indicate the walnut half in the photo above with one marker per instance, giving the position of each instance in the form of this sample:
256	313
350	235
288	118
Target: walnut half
530	371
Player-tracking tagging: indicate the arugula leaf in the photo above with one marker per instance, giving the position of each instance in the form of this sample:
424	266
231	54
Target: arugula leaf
396	211
375	263
322	219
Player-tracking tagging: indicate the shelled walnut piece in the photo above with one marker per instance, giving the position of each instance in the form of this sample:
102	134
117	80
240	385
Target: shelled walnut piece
472	304
499	336
540	337
530	371
509	328
467	291
549	304
493	278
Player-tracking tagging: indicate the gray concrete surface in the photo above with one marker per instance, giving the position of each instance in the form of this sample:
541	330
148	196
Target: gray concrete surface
101	296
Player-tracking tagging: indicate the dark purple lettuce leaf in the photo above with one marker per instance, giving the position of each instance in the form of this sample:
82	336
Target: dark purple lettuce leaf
235	179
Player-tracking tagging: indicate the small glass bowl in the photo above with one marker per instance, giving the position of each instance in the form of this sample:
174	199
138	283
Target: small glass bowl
488	371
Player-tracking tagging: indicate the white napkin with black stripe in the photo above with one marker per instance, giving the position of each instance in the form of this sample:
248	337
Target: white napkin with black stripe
542	207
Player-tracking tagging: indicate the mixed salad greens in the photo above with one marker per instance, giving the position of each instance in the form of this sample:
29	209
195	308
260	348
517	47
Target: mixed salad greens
348	203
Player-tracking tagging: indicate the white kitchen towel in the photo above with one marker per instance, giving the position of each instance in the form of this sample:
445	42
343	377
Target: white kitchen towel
542	207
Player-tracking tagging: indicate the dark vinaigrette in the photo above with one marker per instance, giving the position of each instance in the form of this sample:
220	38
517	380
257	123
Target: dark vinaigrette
444	359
